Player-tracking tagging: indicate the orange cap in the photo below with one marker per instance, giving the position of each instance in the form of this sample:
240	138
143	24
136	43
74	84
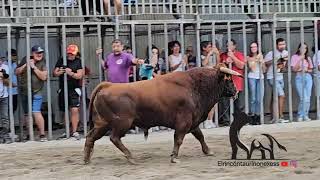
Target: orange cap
72	49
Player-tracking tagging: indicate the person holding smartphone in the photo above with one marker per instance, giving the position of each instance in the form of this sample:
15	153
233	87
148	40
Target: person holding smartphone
75	73
39	75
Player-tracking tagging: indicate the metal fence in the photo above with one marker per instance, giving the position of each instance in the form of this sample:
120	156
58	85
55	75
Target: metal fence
57	8
139	35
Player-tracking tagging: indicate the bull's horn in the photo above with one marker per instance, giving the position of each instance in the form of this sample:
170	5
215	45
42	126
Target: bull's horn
229	71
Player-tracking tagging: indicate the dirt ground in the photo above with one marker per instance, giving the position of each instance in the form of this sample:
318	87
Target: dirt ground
63	159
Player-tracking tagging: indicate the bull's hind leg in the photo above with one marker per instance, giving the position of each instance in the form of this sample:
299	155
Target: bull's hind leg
178	140
93	135
197	133
115	138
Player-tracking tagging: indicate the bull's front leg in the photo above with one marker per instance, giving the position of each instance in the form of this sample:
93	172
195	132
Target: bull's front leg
178	140
197	133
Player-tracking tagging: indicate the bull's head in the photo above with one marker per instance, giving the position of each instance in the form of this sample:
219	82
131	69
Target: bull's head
225	78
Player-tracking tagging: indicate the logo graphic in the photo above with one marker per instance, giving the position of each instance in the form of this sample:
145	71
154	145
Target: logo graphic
241	120
119	61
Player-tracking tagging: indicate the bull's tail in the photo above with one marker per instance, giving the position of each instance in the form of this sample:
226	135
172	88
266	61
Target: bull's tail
93	96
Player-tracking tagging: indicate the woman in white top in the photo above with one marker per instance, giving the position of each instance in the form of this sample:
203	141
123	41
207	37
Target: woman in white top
256	64
177	61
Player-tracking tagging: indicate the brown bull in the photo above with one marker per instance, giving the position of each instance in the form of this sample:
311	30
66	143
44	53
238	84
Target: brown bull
179	100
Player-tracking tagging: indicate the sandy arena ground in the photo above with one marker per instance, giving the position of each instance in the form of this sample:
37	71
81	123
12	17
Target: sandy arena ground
63	159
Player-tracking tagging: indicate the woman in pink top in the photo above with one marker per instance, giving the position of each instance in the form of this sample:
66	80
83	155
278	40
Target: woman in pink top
302	65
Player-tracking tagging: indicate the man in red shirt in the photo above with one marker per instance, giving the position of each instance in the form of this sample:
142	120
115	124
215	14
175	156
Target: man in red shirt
238	61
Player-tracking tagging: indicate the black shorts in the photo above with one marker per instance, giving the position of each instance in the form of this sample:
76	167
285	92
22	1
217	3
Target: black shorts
73	99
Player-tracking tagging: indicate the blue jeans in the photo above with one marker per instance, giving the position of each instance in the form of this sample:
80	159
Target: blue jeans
254	86
304	89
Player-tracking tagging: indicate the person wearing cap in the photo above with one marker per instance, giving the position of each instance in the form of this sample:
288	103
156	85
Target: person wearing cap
4	103
118	63
39	75
75	73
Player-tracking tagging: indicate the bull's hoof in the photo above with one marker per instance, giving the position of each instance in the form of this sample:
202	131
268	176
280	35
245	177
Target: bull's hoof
86	162
175	160
132	161
208	153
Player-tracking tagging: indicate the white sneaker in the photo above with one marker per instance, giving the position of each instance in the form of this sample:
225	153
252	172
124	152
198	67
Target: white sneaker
208	124
283	121
76	135
300	119
156	128
307	119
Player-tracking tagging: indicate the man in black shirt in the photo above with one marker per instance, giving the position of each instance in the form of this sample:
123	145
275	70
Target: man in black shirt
74	75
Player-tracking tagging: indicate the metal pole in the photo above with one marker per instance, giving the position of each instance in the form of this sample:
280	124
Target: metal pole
223	7
285	6
84	103
230	67
198	42
182	41
274	63
260	76
166	39
87	8
57	7
101	7
144	8
289	71
130	5
216	110
34	8
11	8
246	92
65	84
133	44
3	9
149	43
19	9
94	7
46	42
31	134
291	5
303	67
117	28
316	49
100	46
11	118
279	5
268	6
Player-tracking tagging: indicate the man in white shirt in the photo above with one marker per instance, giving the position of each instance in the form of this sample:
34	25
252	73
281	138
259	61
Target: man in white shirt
281	57
4	103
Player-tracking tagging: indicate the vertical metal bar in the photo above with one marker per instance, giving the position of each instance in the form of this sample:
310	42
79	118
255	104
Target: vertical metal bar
230	67
87	7
65	13
213	41
261	6
166	40
137	7
130	5
249	6
303	6
191	6
11	8
3	9
309	5
150	8
163	6
198	41
72	9
315	6
230	11
80	8
100	46
185	6
297	6
303	67
94	7
34	8
274	66
117	28
316	64
144	7
170	7
133	46
11	118
31	134
65	85
210	6
149	43
246	92
268	6
260	76
42	7
84	104
203	9
291	5
279	5
46	44
217	6
50	8
289	71
122	8
19	9
223	7
57	8
285	6
182	40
